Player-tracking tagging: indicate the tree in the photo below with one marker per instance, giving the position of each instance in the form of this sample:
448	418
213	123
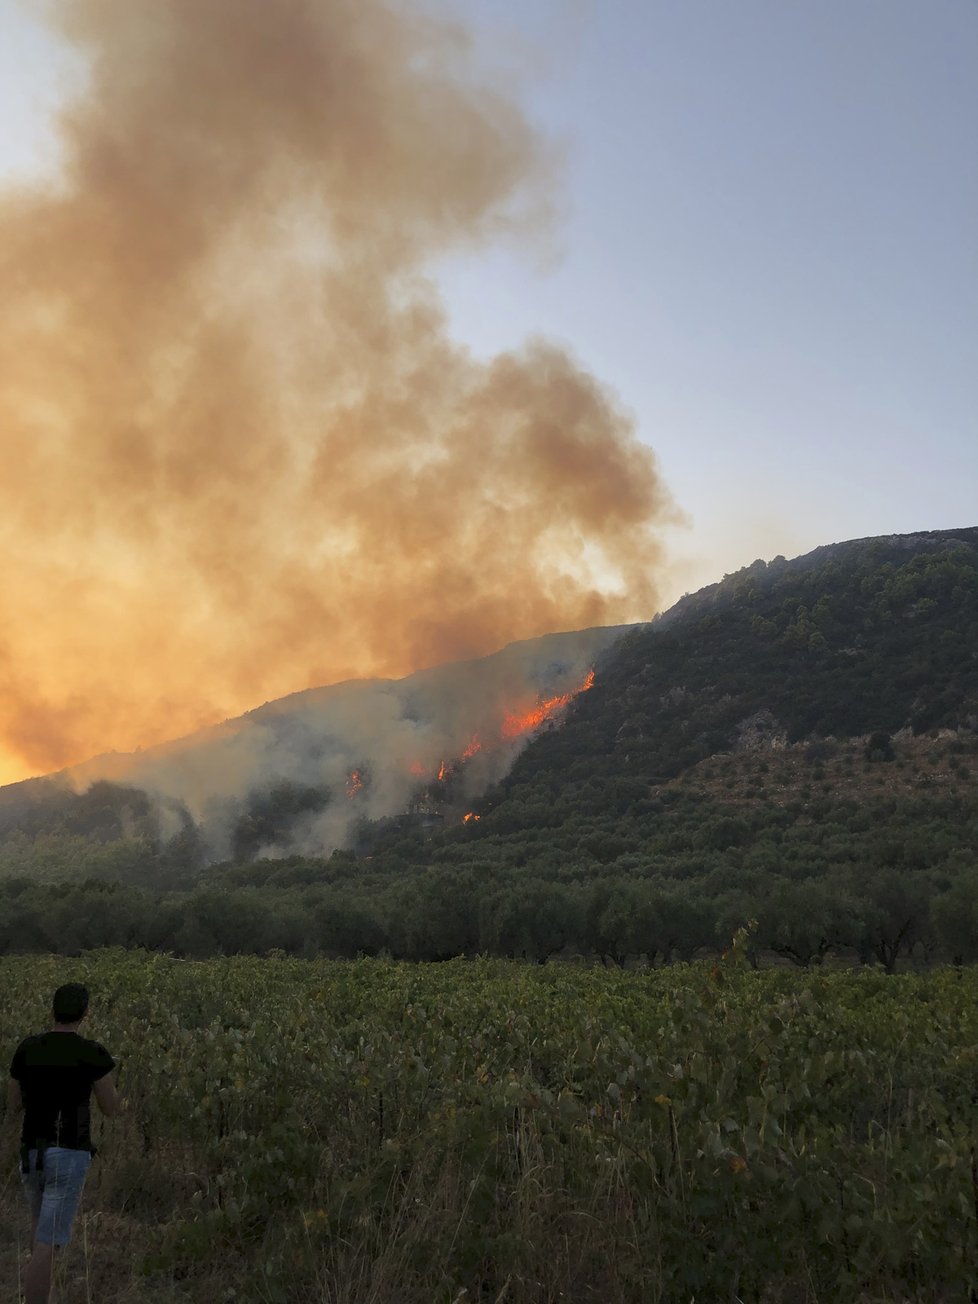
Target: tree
895	907
879	746
803	921
954	916
689	923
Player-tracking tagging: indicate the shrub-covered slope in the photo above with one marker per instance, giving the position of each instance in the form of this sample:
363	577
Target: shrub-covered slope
875	635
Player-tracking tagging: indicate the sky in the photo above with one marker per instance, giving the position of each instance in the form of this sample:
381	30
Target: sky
770	250
762	240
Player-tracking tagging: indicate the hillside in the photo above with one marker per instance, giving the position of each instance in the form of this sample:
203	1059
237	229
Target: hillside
301	774
797	743
879	635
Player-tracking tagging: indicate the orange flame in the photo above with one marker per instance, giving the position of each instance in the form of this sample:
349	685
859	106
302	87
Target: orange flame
513	725
469	816
354	784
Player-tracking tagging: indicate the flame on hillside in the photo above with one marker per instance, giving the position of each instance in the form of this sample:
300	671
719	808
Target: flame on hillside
514	724
520	722
354	784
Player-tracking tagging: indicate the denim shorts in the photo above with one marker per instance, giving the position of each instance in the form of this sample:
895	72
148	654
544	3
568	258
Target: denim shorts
54	1192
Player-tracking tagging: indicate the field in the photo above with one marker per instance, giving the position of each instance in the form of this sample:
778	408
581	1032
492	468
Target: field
366	1131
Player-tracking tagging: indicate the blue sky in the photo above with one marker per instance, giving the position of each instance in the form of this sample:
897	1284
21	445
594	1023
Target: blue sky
771	253
767	245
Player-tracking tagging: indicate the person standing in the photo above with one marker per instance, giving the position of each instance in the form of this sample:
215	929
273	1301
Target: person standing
52	1076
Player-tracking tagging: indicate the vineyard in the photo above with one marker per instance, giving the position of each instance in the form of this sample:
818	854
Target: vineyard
367	1131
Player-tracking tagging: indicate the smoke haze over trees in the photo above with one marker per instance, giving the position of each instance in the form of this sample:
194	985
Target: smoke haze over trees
242	454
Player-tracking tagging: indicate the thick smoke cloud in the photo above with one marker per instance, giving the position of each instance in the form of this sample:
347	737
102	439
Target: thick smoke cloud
242	455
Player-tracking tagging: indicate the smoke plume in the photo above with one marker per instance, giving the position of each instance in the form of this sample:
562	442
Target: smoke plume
242	455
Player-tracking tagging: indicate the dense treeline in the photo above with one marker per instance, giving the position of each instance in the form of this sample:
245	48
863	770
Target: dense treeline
307	908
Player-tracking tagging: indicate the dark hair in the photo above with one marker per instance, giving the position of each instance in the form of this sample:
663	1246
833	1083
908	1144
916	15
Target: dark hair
70	1003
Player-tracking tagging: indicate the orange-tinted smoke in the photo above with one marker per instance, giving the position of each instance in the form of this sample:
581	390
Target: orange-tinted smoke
241	454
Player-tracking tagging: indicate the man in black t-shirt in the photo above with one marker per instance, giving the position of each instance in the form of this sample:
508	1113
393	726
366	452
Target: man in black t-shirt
52	1076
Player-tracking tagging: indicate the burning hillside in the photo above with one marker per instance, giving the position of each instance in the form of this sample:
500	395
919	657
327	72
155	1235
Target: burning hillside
363	750
518	723
514	725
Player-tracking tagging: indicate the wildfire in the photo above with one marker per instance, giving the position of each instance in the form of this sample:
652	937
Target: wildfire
513	725
354	784
470	816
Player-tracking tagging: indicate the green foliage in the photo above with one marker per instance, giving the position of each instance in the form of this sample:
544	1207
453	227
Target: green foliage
485	1130
269	816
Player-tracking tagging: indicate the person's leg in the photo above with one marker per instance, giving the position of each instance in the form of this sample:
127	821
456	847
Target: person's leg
64	1179
37	1278
33	1184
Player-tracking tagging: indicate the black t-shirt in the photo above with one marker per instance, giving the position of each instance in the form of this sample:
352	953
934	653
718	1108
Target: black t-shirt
56	1071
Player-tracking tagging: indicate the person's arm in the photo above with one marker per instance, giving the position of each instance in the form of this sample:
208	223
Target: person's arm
107	1097
15	1098
10	1132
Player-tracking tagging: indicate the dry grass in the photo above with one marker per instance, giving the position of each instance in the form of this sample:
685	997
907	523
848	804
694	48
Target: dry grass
388	1254
102	1263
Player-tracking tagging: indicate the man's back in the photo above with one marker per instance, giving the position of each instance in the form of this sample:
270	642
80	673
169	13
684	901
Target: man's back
56	1072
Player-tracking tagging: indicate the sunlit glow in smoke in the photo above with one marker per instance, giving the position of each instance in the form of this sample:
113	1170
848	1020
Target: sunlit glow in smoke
242	455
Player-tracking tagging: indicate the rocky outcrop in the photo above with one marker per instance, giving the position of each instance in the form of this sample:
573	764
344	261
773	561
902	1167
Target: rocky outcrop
761	732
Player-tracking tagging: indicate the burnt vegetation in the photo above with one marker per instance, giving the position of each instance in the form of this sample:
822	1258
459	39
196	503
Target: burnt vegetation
797	744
